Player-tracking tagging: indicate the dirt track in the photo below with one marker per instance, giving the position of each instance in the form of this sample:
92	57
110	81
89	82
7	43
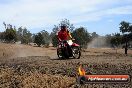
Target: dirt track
28	66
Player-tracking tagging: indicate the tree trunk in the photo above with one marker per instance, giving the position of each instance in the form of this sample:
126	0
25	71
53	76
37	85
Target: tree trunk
126	48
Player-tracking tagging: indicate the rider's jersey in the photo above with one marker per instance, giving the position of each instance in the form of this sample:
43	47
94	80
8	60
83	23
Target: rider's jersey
64	35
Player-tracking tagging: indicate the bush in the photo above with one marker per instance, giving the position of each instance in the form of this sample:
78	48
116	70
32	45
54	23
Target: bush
81	36
54	41
10	35
39	39
46	45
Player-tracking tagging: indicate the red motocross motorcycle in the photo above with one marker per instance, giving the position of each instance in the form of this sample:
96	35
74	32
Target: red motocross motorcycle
66	49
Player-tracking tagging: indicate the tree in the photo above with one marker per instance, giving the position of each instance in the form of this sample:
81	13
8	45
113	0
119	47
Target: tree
19	33
94	35
54	40
10	33
39	39
108	38
24	35
116	40
67	23
2	36
33	37
126	30
53	35
81	36
55	29
26	38
124	27
46	37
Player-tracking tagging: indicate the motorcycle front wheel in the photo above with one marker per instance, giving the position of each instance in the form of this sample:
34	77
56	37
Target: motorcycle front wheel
76	52
59	54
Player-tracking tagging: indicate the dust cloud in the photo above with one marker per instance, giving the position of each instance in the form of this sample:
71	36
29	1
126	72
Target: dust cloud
98	42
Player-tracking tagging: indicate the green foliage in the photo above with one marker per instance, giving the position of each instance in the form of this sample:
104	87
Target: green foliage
24	35
108	39
2	36
39	39
116	40
94	35
81	36
10	34
67	23
130	36
55	29
54	40
130	29
53	36
124	27
46	37
19	33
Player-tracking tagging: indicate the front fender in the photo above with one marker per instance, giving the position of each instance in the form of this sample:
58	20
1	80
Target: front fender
75	44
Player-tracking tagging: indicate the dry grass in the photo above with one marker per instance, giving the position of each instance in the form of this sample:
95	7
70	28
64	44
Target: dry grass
9	78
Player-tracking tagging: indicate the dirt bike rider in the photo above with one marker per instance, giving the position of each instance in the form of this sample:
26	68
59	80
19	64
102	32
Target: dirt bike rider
64	35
